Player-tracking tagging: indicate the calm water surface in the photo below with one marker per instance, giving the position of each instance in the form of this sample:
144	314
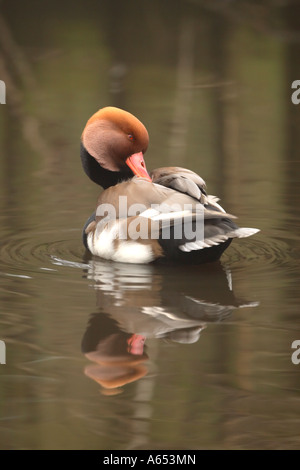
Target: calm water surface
102	355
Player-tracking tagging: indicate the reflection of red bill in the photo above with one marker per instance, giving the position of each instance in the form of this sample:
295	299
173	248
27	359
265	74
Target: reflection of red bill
136	344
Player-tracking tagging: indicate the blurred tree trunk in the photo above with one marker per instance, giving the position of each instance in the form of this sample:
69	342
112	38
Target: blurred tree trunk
225	110
184	92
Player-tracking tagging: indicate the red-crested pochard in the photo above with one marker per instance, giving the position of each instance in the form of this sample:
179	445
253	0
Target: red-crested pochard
142	217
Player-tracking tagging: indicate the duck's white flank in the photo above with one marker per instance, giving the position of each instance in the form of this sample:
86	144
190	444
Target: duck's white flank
133	252
102	243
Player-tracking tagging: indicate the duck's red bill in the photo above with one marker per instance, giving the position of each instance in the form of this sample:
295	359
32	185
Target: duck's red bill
137	164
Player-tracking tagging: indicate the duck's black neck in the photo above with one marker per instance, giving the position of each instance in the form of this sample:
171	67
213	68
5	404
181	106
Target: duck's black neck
99	175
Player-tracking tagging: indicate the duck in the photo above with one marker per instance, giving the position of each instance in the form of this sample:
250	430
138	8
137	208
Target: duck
142	217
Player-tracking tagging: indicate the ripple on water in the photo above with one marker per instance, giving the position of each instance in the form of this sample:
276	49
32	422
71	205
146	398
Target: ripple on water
261	253
23	255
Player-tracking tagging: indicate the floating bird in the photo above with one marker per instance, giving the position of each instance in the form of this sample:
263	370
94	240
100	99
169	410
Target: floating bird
141	217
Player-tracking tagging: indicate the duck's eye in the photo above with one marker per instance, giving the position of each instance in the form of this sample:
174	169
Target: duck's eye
131	137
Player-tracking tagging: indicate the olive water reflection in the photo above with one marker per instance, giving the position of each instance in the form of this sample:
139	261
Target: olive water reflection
141	302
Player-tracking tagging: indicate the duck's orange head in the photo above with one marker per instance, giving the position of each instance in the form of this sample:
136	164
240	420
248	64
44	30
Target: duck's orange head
115	141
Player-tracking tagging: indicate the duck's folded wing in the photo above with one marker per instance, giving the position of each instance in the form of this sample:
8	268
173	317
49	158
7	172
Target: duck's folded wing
164	222
180	179
191	229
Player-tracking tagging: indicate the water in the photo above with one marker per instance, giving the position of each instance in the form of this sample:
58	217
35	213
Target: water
212	366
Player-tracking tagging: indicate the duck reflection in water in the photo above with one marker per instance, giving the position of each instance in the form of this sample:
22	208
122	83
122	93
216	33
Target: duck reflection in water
118	357
139	302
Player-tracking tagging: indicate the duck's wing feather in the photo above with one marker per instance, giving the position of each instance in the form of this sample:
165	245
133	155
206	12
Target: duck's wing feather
165	207
180	179
158	220
186	182
139	195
